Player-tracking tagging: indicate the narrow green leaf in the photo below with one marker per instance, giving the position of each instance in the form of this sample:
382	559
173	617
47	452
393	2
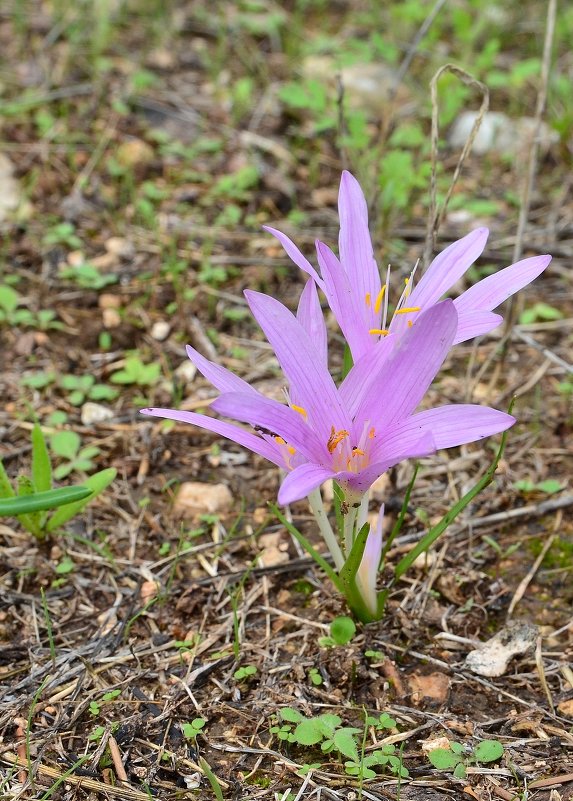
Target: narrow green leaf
41	465
350	567
30	520
96	483
433	534
6	489
39	501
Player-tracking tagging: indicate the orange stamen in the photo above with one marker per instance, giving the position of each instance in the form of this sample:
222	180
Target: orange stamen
368	299
280	441
380	297
358	452
408	309
300	410
335	438
410	324
372	433
383	332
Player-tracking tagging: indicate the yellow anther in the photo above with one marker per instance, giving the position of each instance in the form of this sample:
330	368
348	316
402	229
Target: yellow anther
379	299
383	332
408	288
408	309
291	450
368	299
410	324
372	433
280	441
358	452
299	409
335	438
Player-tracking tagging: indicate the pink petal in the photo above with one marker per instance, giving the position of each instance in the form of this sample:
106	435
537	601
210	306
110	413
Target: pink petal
221	378
455	425
294	254
488	293
302	481
475	323
235	433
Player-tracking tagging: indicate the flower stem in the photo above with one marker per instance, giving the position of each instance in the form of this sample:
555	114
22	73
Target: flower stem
317	508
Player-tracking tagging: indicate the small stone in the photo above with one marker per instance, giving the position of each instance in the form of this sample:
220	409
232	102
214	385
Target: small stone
119	246
76	258
95	413
111	318
160	330
12	202
108	301
195	498
435	742
493	657
186	372
432	686
500	134
134	153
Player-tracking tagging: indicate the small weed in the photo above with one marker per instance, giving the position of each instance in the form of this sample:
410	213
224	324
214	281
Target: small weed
327	732
315	677
539	312
35	495
193	728
550	486
245	672
12	313
67	446
458	757
342	630
62	233
87	276
137	373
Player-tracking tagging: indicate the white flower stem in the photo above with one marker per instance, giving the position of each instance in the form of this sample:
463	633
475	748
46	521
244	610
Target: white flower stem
319	512
363	511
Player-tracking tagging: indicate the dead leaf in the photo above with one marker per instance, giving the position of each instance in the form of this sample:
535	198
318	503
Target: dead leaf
566	708
432	686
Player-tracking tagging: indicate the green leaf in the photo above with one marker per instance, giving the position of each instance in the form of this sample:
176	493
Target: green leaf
9	299
460	771
350	567
65	444
550	486
342	629
443	758
488	751
6	489
345	742
65	566
307	733
290	715
39	501
96	483
41	465
456	748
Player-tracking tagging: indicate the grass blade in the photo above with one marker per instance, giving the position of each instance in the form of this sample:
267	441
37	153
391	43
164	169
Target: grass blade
96	483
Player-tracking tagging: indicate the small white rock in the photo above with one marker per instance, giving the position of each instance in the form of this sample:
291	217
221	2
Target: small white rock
195	498
186	372
95	413
492	658
160	330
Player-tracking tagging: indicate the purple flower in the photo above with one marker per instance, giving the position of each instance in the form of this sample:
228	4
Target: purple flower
352	433
359	300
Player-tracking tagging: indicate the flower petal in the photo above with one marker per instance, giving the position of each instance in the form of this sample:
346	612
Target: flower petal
488	293
401	383
301	363
397	451
221	378
355	245
475	323
302	481
350	310
368	571
235	433
295	255
310	316
363	372
448	267
455	425
275	417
